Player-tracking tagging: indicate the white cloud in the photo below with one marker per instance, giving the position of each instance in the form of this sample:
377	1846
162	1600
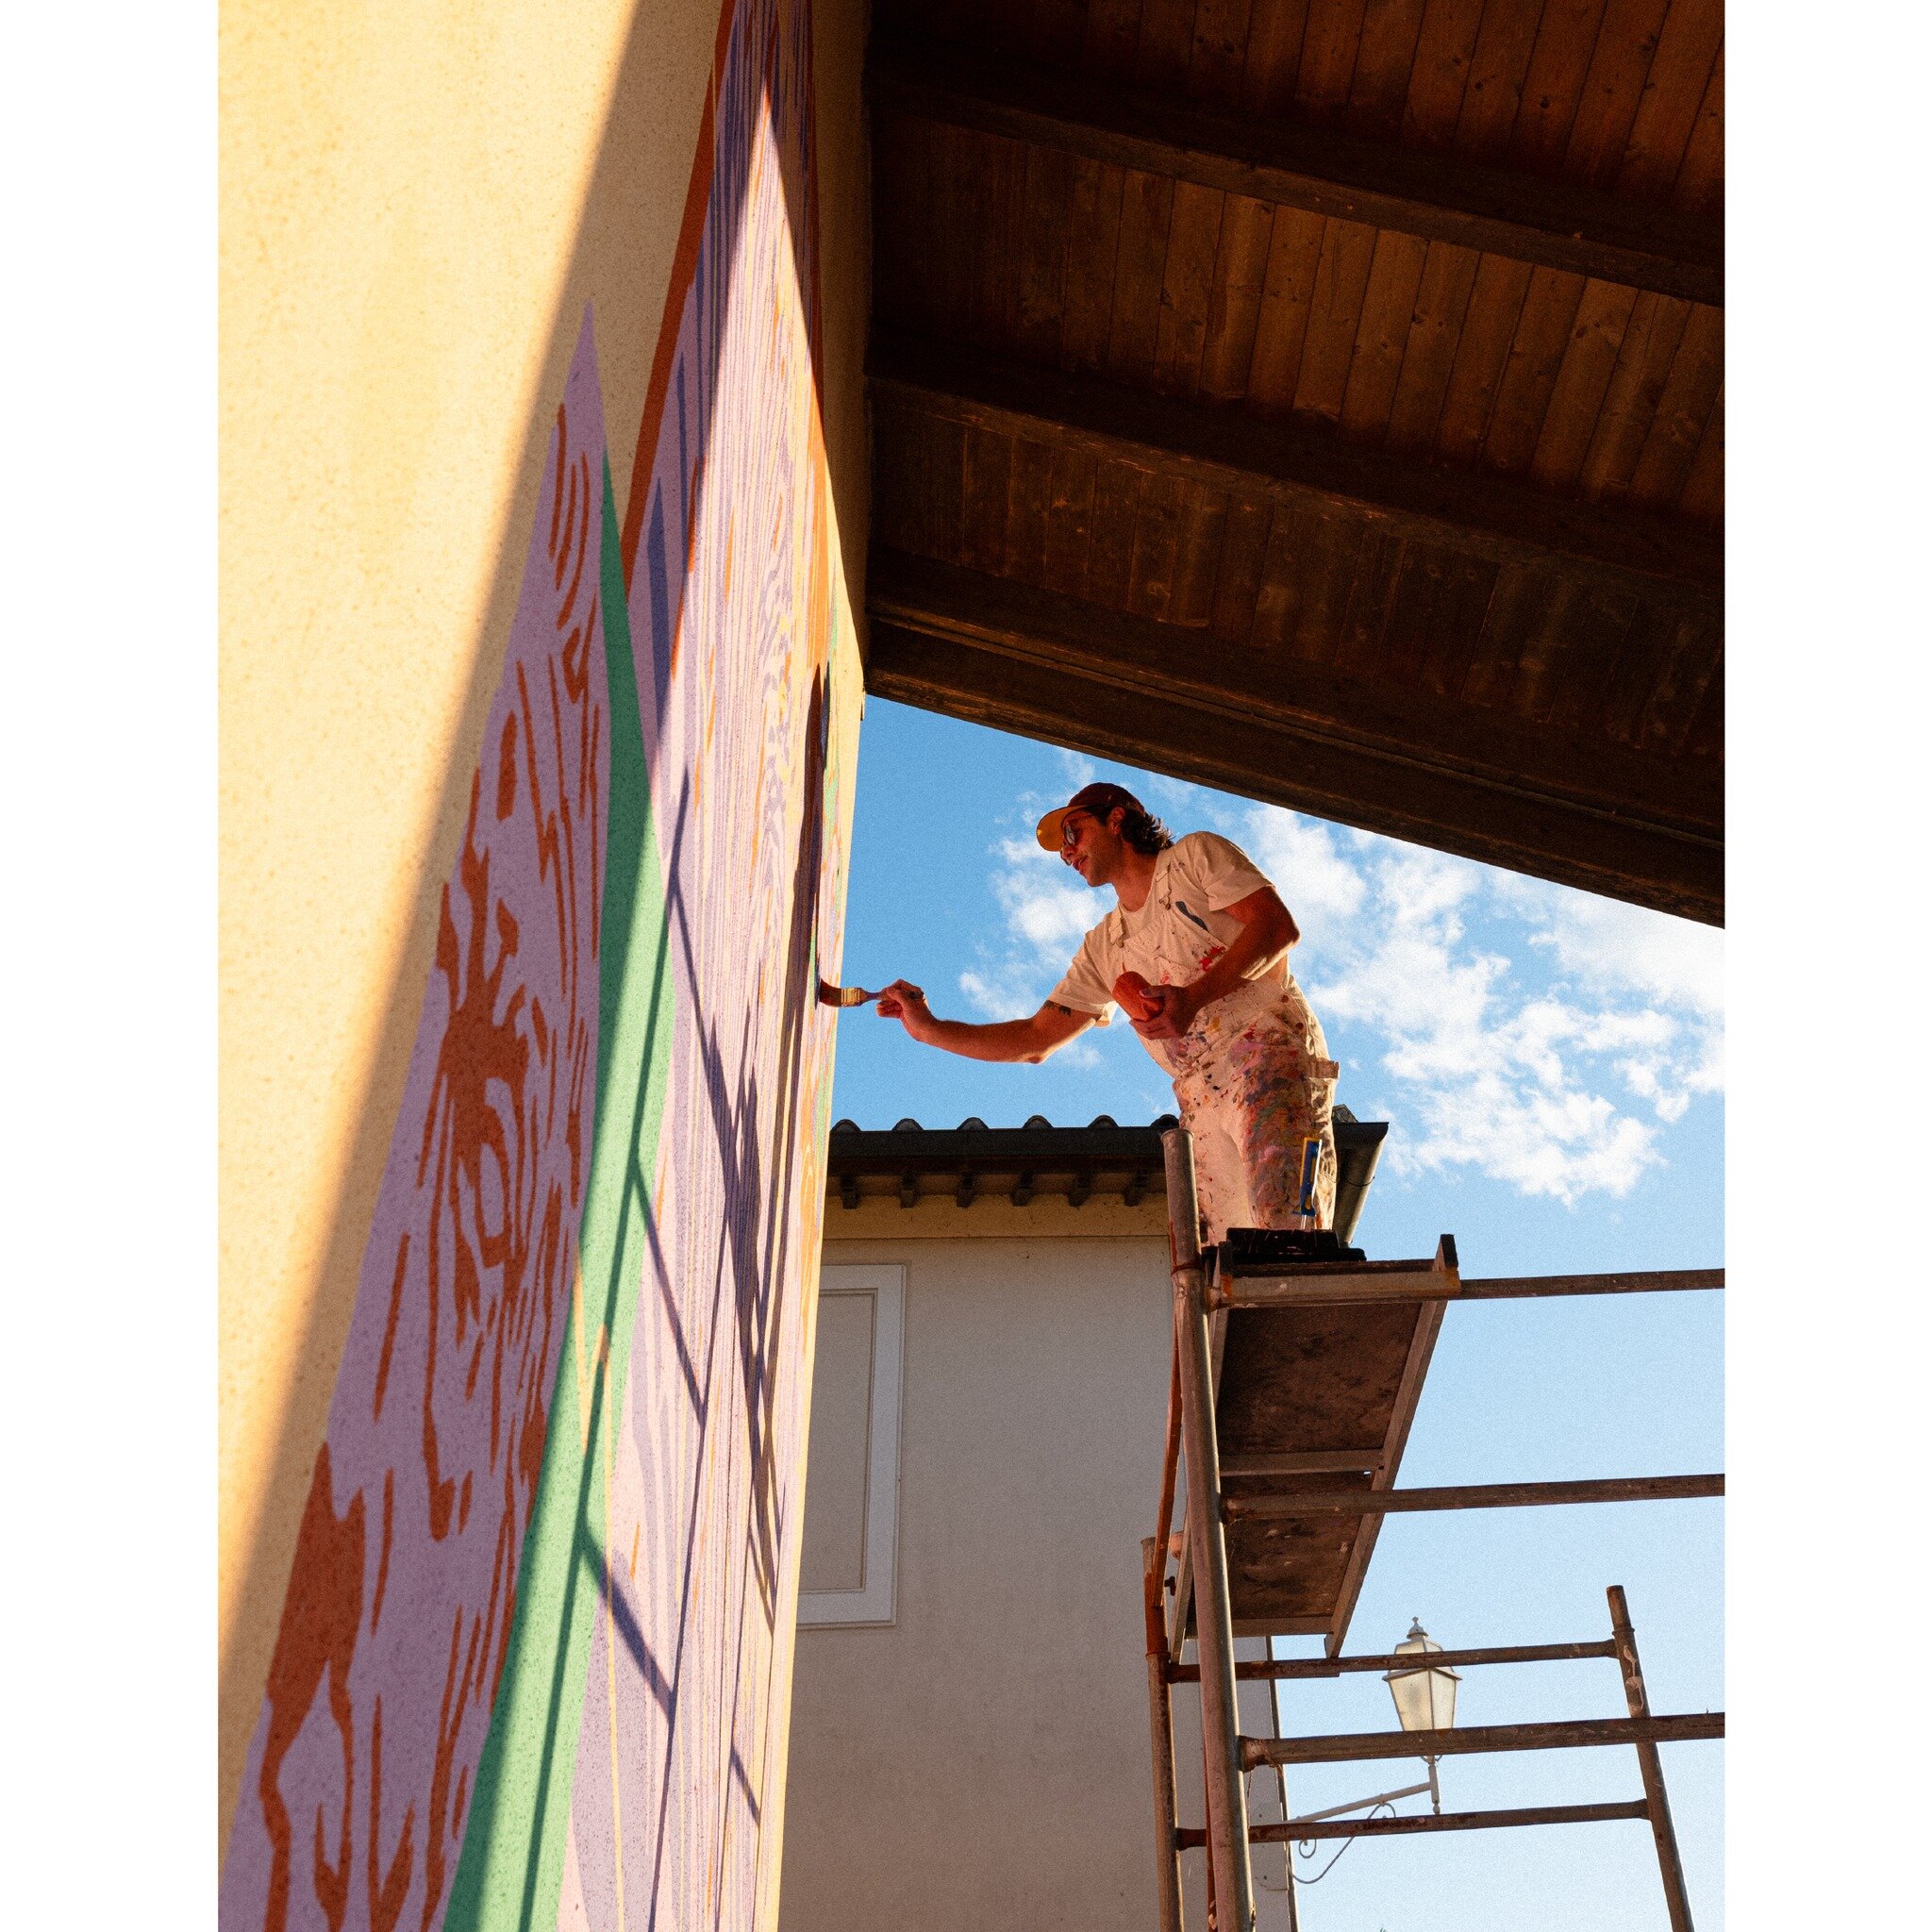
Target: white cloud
1647	962
1607	943
1418	886
1045	912
1014	989
1316	883
1539	1087
1007	992
1566	1143
1080	771
1048	907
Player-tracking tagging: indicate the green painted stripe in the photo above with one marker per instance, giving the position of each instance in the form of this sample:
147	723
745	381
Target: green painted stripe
510	1871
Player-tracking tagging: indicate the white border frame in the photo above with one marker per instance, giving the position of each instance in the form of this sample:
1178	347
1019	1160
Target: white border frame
875	1602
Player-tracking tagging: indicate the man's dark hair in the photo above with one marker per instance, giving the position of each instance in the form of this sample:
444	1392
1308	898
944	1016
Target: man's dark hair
1144	831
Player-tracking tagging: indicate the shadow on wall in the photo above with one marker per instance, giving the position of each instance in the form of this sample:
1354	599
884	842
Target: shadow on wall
604	239
686	1029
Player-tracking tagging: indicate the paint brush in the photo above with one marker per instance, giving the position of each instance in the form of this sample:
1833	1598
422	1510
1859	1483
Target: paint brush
830	995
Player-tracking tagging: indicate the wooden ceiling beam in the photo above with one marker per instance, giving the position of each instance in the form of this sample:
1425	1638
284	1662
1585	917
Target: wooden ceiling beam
1442	197
1228	450
1465	780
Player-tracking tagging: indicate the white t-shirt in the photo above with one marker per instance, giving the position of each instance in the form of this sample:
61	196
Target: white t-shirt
1177	934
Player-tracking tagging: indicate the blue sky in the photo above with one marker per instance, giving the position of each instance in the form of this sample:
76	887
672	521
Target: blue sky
1551	1065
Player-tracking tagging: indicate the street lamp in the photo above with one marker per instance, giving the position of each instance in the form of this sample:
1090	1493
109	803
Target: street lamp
1425	1695
1424	1698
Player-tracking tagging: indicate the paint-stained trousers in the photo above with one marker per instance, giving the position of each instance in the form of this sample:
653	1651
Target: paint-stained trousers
1253	1081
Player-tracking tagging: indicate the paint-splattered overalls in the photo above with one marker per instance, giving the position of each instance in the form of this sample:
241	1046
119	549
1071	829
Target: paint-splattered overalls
1253	1081
1252	1074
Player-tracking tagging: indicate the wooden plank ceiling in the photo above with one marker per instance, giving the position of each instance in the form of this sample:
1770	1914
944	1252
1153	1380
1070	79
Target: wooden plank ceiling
1319	399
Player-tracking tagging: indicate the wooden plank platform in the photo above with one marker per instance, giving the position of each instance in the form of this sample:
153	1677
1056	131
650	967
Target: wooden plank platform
1315	1395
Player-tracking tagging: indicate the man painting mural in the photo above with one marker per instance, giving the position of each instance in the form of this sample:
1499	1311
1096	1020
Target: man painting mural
1195	920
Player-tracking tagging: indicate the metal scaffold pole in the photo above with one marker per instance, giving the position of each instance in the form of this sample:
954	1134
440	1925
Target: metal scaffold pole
1227	1808
1167	1850
1656	1800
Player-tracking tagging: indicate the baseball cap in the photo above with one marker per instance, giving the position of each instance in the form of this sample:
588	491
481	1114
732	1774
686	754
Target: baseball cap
1098	799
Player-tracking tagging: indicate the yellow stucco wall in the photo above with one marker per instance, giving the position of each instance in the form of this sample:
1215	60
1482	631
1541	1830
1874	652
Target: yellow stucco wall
417	203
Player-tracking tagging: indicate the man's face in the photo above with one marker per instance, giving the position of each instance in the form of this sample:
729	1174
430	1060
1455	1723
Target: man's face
1094	849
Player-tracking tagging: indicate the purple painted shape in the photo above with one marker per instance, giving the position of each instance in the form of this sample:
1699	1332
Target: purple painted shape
400	1600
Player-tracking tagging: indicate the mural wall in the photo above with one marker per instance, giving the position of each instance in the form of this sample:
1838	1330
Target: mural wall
533	1664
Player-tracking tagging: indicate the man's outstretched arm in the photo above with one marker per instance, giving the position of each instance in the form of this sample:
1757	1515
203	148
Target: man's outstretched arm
1032	1039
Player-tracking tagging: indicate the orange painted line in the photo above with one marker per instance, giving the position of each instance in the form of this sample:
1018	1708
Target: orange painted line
684	268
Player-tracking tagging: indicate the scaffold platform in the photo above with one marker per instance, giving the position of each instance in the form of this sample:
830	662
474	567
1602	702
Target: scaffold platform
1294	1387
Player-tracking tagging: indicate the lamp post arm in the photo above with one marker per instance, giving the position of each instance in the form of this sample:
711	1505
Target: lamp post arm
1359	1804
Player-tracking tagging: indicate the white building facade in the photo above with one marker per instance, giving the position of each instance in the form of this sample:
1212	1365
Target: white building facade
970	1744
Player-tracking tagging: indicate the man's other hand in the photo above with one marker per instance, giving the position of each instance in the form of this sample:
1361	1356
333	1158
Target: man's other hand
1175	1007
903	1001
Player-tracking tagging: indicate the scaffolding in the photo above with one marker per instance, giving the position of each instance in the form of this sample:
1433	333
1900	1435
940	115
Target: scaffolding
1292	1390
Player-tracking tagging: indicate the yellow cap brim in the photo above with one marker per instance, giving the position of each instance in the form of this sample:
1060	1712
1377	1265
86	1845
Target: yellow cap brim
1048	830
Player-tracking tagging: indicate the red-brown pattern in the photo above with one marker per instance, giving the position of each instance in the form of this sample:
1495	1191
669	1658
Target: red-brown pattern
391	1645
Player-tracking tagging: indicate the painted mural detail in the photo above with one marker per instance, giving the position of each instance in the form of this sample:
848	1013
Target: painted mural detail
533	1664
681	1750
400	1605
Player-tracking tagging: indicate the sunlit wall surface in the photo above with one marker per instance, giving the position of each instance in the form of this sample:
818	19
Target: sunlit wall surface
529	1649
